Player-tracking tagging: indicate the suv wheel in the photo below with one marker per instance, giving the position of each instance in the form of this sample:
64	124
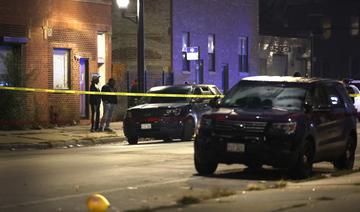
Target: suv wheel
189	129
304	164
254	165
204	167
133	140
167	139
346	160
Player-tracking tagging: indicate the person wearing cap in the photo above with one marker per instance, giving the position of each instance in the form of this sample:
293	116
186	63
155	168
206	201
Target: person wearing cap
109	104
95	101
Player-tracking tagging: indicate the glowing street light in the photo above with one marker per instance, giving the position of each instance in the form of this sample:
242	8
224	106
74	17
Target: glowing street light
123	4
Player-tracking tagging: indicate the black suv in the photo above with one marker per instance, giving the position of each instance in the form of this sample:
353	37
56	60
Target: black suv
168	117
285	122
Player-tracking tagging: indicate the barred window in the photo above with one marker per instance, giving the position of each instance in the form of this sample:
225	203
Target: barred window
185	40
211	52
243	54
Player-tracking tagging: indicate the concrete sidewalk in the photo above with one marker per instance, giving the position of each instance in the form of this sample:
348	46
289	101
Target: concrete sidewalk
59	137
332	194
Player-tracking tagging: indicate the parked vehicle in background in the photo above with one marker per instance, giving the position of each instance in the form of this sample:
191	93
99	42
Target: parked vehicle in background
168	117
284	122
352	89
354	82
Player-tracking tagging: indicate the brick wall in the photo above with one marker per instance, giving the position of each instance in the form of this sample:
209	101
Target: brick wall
69	24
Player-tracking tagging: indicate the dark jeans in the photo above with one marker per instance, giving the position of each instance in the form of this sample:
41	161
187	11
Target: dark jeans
95	116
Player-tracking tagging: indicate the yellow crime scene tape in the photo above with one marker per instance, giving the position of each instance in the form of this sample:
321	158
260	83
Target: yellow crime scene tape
42	90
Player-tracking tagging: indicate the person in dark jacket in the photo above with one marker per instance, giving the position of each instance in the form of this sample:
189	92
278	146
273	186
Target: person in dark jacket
109	103
95	101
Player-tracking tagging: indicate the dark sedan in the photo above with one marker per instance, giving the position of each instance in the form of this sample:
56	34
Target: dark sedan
168	118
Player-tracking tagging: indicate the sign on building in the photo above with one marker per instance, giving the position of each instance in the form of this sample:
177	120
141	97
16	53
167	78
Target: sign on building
193	53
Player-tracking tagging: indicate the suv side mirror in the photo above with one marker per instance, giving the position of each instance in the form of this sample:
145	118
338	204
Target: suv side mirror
215	102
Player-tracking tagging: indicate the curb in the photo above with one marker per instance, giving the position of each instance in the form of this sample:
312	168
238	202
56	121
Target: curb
61	144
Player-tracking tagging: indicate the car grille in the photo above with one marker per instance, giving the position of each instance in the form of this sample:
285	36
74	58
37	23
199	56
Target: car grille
143	114
243	126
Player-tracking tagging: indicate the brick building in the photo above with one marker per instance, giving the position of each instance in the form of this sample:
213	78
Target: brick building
157	26
61	43
225	31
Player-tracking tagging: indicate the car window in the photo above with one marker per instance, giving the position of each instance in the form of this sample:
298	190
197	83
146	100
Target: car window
206	91
317	97
197	91
269	96
168	90
215	90
334	97
343	92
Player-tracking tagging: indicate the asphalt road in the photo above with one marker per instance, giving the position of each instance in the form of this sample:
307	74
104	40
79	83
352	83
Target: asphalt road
148	175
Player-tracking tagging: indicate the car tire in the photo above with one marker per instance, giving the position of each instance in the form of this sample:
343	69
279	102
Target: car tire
346	160
253	165
188	130
204	167
304	164
167	140
133	140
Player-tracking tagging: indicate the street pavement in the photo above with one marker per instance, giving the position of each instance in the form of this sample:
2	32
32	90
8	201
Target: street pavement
159	176
59	137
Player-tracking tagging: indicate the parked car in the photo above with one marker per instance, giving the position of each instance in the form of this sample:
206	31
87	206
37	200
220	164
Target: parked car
353	89
284	122
168	117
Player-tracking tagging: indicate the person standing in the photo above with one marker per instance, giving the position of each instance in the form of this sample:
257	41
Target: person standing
95	101
109	104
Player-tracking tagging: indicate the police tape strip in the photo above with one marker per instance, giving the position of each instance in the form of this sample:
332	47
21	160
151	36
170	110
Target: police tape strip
41	90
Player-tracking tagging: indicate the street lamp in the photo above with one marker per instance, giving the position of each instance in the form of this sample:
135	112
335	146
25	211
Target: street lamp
123	4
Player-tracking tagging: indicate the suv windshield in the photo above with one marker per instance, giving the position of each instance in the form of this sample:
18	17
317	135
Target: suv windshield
168	90
266	96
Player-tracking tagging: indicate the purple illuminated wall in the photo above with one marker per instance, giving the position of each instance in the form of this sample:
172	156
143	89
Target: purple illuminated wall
228	20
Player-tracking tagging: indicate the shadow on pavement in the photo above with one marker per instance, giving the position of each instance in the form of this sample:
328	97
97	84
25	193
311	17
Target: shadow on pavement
144	142
266	174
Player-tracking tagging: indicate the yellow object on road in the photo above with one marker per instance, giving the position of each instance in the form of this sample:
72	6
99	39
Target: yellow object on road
97	203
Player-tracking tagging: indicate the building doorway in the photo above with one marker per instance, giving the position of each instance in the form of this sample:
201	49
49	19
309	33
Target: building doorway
84	86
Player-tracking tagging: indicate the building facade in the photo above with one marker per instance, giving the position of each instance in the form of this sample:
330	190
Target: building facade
157	31
225	32
60	45
331	26
282	56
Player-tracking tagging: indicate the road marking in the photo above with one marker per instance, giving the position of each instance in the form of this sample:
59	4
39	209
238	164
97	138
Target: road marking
86	194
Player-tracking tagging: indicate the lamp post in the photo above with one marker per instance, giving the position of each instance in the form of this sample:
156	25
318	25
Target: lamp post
123	4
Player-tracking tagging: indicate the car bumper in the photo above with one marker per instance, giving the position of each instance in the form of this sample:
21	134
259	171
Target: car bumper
255	149
158	130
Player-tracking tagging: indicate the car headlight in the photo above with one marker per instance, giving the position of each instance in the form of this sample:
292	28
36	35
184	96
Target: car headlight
205	122
174	111
287	128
